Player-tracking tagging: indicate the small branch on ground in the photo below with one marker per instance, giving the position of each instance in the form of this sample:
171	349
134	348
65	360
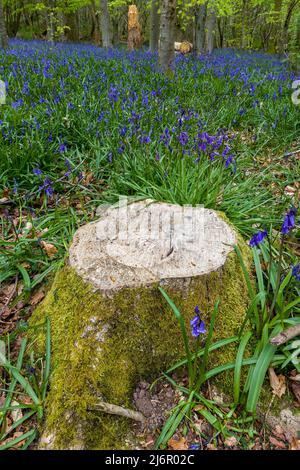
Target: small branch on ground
286	335
117	410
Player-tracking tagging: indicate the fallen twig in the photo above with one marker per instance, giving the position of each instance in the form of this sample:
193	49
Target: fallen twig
117	410
284	336
289	154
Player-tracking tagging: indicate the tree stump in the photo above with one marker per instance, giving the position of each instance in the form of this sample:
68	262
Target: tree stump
110	324
134	29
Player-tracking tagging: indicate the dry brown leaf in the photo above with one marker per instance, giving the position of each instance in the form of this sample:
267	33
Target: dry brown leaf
16	413
277	443
295	386
18	434
37	297
295	444
211	447
180	444
277	383
230	441
50	249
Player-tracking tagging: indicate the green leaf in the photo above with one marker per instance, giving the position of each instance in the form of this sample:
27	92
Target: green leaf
263	362
182	327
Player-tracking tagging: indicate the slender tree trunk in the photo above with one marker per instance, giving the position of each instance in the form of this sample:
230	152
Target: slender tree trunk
96	25
50	27
200	19
244	25
105	25
115	29
211	27
154	26
167	34
72	32
283	45
3	34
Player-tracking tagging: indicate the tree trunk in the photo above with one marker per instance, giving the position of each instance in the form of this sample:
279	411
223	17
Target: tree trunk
95	33
3	34
244	19
154	26
200	19
72	32
211	27
167	34
284	42
115	29
105	25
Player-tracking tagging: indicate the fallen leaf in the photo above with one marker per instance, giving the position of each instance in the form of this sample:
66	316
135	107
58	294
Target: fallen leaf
295	444
295	386
16	414
180	444
277	383
211	447
277	443
50	249
37	297
230	441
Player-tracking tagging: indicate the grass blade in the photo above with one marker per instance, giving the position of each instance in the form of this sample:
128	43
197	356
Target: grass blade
238	366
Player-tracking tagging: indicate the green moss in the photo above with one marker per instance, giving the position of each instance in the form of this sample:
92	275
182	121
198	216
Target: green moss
101	345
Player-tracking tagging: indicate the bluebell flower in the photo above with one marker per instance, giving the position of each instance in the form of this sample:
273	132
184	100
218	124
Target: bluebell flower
62	148
194	447
289	221
47	187
197	324
183	138
258	238
296	271
37	171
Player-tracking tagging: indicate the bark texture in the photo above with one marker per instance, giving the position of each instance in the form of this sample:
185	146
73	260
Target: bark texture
154	26
211	30
3	34
105	25
167	34
200	19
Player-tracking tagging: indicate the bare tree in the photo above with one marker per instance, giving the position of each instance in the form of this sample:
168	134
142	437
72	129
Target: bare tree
211	27
154	26
3	34
167	34
105	25
283	43
200	19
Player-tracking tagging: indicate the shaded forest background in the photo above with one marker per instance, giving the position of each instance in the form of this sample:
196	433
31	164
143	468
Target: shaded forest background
269	25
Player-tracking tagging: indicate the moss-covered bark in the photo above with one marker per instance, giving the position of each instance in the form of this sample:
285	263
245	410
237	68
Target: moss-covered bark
103	343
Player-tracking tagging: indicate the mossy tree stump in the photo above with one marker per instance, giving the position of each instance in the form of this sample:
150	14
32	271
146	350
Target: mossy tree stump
110	324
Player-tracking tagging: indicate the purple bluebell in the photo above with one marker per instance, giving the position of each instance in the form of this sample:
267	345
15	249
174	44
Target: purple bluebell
197	324
289	221
296	271
258	238
47	187
183	138
62	148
